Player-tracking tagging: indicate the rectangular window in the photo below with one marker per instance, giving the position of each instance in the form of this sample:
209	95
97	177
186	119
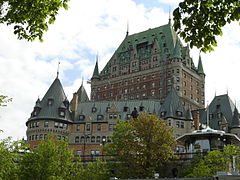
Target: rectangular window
78	127
98	127
78	152
110	127
182	124
37	124
65	126
61	125
178	124
46	124
56	124
88	127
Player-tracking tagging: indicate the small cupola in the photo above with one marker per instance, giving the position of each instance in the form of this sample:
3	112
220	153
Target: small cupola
37	108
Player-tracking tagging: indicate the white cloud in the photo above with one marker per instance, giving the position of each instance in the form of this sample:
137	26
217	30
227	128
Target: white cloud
28	68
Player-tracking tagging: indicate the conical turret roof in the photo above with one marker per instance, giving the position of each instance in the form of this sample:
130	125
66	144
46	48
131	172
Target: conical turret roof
52	101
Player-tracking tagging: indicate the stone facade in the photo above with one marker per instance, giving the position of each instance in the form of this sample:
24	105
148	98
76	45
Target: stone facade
150	71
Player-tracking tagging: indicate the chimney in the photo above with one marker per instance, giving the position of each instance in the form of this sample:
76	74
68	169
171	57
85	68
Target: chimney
74	102
196	120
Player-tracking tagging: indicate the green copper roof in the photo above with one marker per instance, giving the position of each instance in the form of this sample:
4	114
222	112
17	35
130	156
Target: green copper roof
172	106
200	66
95	72
177	53
164	37
52	101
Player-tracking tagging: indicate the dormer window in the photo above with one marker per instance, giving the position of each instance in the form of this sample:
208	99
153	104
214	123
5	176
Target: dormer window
179	113
62	113
94	109
34	113
125	109
107	109
50	102
163	113
99	117
81	117
141	108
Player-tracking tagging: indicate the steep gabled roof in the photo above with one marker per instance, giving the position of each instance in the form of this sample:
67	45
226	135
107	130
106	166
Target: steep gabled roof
54	100
220	106
82	94
172	106
164	37
105	108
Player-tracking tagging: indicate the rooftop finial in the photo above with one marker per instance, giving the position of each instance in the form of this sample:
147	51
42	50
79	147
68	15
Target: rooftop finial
82	81
127	29
58	69
97	57
169	12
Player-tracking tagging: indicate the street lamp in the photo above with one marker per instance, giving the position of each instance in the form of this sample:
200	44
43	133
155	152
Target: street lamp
103	143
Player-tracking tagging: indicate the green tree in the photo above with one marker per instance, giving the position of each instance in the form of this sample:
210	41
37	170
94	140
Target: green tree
4	100
200	21
96	171
214	162
141	146
30	18
51	159
10	153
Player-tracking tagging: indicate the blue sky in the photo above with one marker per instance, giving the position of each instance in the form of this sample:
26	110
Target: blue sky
28	68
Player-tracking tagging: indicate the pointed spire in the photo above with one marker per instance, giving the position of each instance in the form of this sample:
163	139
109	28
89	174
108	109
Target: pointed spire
200	66
82	94
235	120
96	72
58	69
177	53
169	11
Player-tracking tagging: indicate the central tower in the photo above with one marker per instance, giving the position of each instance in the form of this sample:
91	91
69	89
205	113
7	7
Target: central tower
147	65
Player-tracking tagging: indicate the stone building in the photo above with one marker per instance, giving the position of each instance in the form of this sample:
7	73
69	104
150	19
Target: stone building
150	72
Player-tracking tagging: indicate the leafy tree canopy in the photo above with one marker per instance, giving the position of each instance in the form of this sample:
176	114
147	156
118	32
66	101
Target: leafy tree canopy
141	145
214	162
30	18
4	100
10	152
200	21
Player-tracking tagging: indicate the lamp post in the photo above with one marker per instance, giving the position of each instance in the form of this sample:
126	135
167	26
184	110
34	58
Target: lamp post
103	143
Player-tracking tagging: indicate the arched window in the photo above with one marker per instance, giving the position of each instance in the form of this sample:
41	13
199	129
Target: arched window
98	138
82	139
77	139
88	139
93	139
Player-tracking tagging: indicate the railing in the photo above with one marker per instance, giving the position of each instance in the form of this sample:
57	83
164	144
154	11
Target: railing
92	158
